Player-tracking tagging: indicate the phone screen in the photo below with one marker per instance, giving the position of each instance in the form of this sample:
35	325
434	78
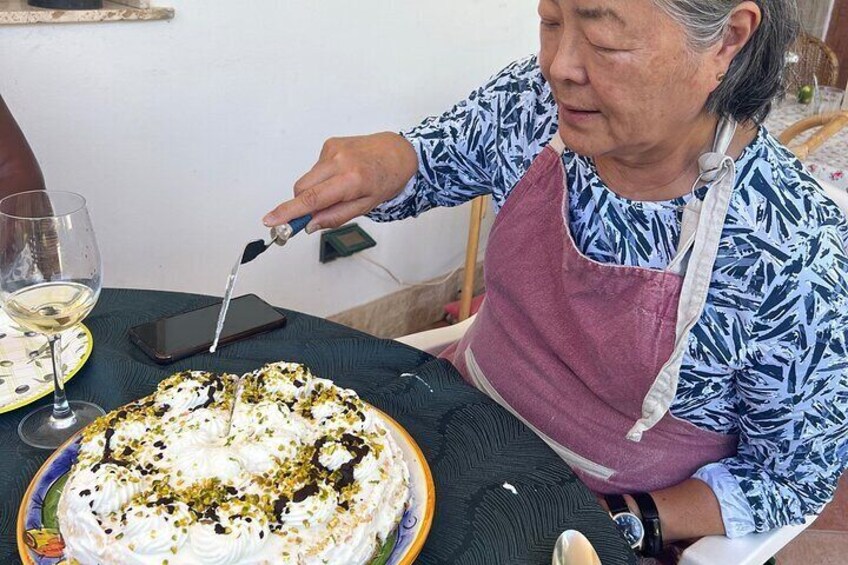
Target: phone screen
179	336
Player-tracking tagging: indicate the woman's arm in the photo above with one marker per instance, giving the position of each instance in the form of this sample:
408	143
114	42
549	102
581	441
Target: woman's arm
482	145
19	170
793	396
793	404
687	511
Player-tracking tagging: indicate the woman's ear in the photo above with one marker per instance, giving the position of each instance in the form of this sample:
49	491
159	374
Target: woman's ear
741	26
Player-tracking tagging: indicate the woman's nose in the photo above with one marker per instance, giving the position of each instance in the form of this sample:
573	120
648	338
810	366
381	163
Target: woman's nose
568	65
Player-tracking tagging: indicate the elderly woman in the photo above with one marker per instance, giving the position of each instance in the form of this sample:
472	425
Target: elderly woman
666	284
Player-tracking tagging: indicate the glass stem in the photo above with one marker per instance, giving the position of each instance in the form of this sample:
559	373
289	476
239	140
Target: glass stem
62	412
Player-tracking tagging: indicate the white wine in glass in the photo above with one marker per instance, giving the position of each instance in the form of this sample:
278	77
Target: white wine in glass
50	307
50	278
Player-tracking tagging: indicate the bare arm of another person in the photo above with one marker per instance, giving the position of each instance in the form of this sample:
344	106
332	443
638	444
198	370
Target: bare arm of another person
19	170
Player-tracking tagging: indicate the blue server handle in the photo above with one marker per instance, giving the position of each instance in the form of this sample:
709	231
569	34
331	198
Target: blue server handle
298	224
282	234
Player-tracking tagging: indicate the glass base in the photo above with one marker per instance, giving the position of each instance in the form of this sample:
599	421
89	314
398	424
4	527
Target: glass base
39	429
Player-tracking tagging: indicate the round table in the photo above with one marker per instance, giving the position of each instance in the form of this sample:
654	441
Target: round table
473	446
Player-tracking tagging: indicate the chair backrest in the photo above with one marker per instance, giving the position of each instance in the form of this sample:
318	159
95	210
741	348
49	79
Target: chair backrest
478	210
830	126
815	59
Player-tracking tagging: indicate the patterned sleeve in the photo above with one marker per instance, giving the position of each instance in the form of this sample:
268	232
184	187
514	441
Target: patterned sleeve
793	425
483	145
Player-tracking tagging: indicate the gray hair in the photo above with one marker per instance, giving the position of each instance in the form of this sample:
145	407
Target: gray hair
755	76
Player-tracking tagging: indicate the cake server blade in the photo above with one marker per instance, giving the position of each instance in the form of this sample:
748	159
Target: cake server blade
279	235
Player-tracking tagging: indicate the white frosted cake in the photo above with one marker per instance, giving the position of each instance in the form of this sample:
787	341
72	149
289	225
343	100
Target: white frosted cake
304	473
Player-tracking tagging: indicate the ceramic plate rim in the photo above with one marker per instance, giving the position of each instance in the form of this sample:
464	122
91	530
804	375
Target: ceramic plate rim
408	559
71	373
430	504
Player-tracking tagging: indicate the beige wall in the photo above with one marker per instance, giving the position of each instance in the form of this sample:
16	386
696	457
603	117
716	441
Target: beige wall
182	134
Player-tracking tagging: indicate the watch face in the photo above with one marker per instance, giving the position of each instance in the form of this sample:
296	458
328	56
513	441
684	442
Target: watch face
630	527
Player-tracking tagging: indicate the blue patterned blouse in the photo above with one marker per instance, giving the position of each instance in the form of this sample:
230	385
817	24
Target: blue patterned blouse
768	359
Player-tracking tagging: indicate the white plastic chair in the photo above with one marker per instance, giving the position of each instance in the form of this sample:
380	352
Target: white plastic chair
754	549
434	341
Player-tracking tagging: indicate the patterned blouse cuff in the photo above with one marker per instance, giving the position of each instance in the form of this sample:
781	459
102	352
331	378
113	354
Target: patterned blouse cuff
735	511
385	209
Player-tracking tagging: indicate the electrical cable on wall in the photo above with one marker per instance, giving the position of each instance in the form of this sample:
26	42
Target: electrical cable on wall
402	282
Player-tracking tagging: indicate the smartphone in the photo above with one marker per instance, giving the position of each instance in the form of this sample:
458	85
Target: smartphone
176	337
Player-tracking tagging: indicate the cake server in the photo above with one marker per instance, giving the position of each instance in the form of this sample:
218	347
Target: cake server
237	392
279	235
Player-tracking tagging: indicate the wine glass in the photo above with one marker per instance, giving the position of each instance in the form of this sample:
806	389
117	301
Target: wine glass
50	278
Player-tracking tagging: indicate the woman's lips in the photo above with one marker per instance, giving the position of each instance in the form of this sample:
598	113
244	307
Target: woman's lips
576	116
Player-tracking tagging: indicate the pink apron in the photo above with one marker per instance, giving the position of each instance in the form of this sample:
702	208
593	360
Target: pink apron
588	354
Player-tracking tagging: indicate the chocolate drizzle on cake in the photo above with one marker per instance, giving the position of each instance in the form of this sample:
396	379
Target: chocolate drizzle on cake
303	493
316	456
345	474
108	455
280	507
215	384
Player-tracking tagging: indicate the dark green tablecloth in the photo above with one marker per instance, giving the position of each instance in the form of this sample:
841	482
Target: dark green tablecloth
473	446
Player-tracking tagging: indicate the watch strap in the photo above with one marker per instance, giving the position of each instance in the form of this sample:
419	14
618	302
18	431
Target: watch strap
616	504
653	543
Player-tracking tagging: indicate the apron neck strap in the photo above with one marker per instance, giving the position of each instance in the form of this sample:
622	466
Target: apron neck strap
557	144
701	228
725	131
711	165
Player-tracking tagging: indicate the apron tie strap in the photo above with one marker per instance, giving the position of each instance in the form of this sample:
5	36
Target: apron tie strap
703	222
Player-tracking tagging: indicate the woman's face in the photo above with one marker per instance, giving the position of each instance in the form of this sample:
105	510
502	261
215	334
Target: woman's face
622	74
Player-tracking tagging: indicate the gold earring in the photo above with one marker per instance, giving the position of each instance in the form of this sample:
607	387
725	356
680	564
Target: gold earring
721	76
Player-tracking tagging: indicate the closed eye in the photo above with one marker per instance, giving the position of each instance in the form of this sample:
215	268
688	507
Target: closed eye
550	24
602	49
608	50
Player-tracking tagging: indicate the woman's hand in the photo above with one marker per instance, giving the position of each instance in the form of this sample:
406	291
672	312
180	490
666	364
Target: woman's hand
353	175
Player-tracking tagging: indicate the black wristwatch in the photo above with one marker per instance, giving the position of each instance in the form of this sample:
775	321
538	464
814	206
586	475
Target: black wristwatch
628	524
653	541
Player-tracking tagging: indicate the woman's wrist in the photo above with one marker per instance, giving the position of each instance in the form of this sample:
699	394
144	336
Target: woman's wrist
638	521
406	159
650	518
632	506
